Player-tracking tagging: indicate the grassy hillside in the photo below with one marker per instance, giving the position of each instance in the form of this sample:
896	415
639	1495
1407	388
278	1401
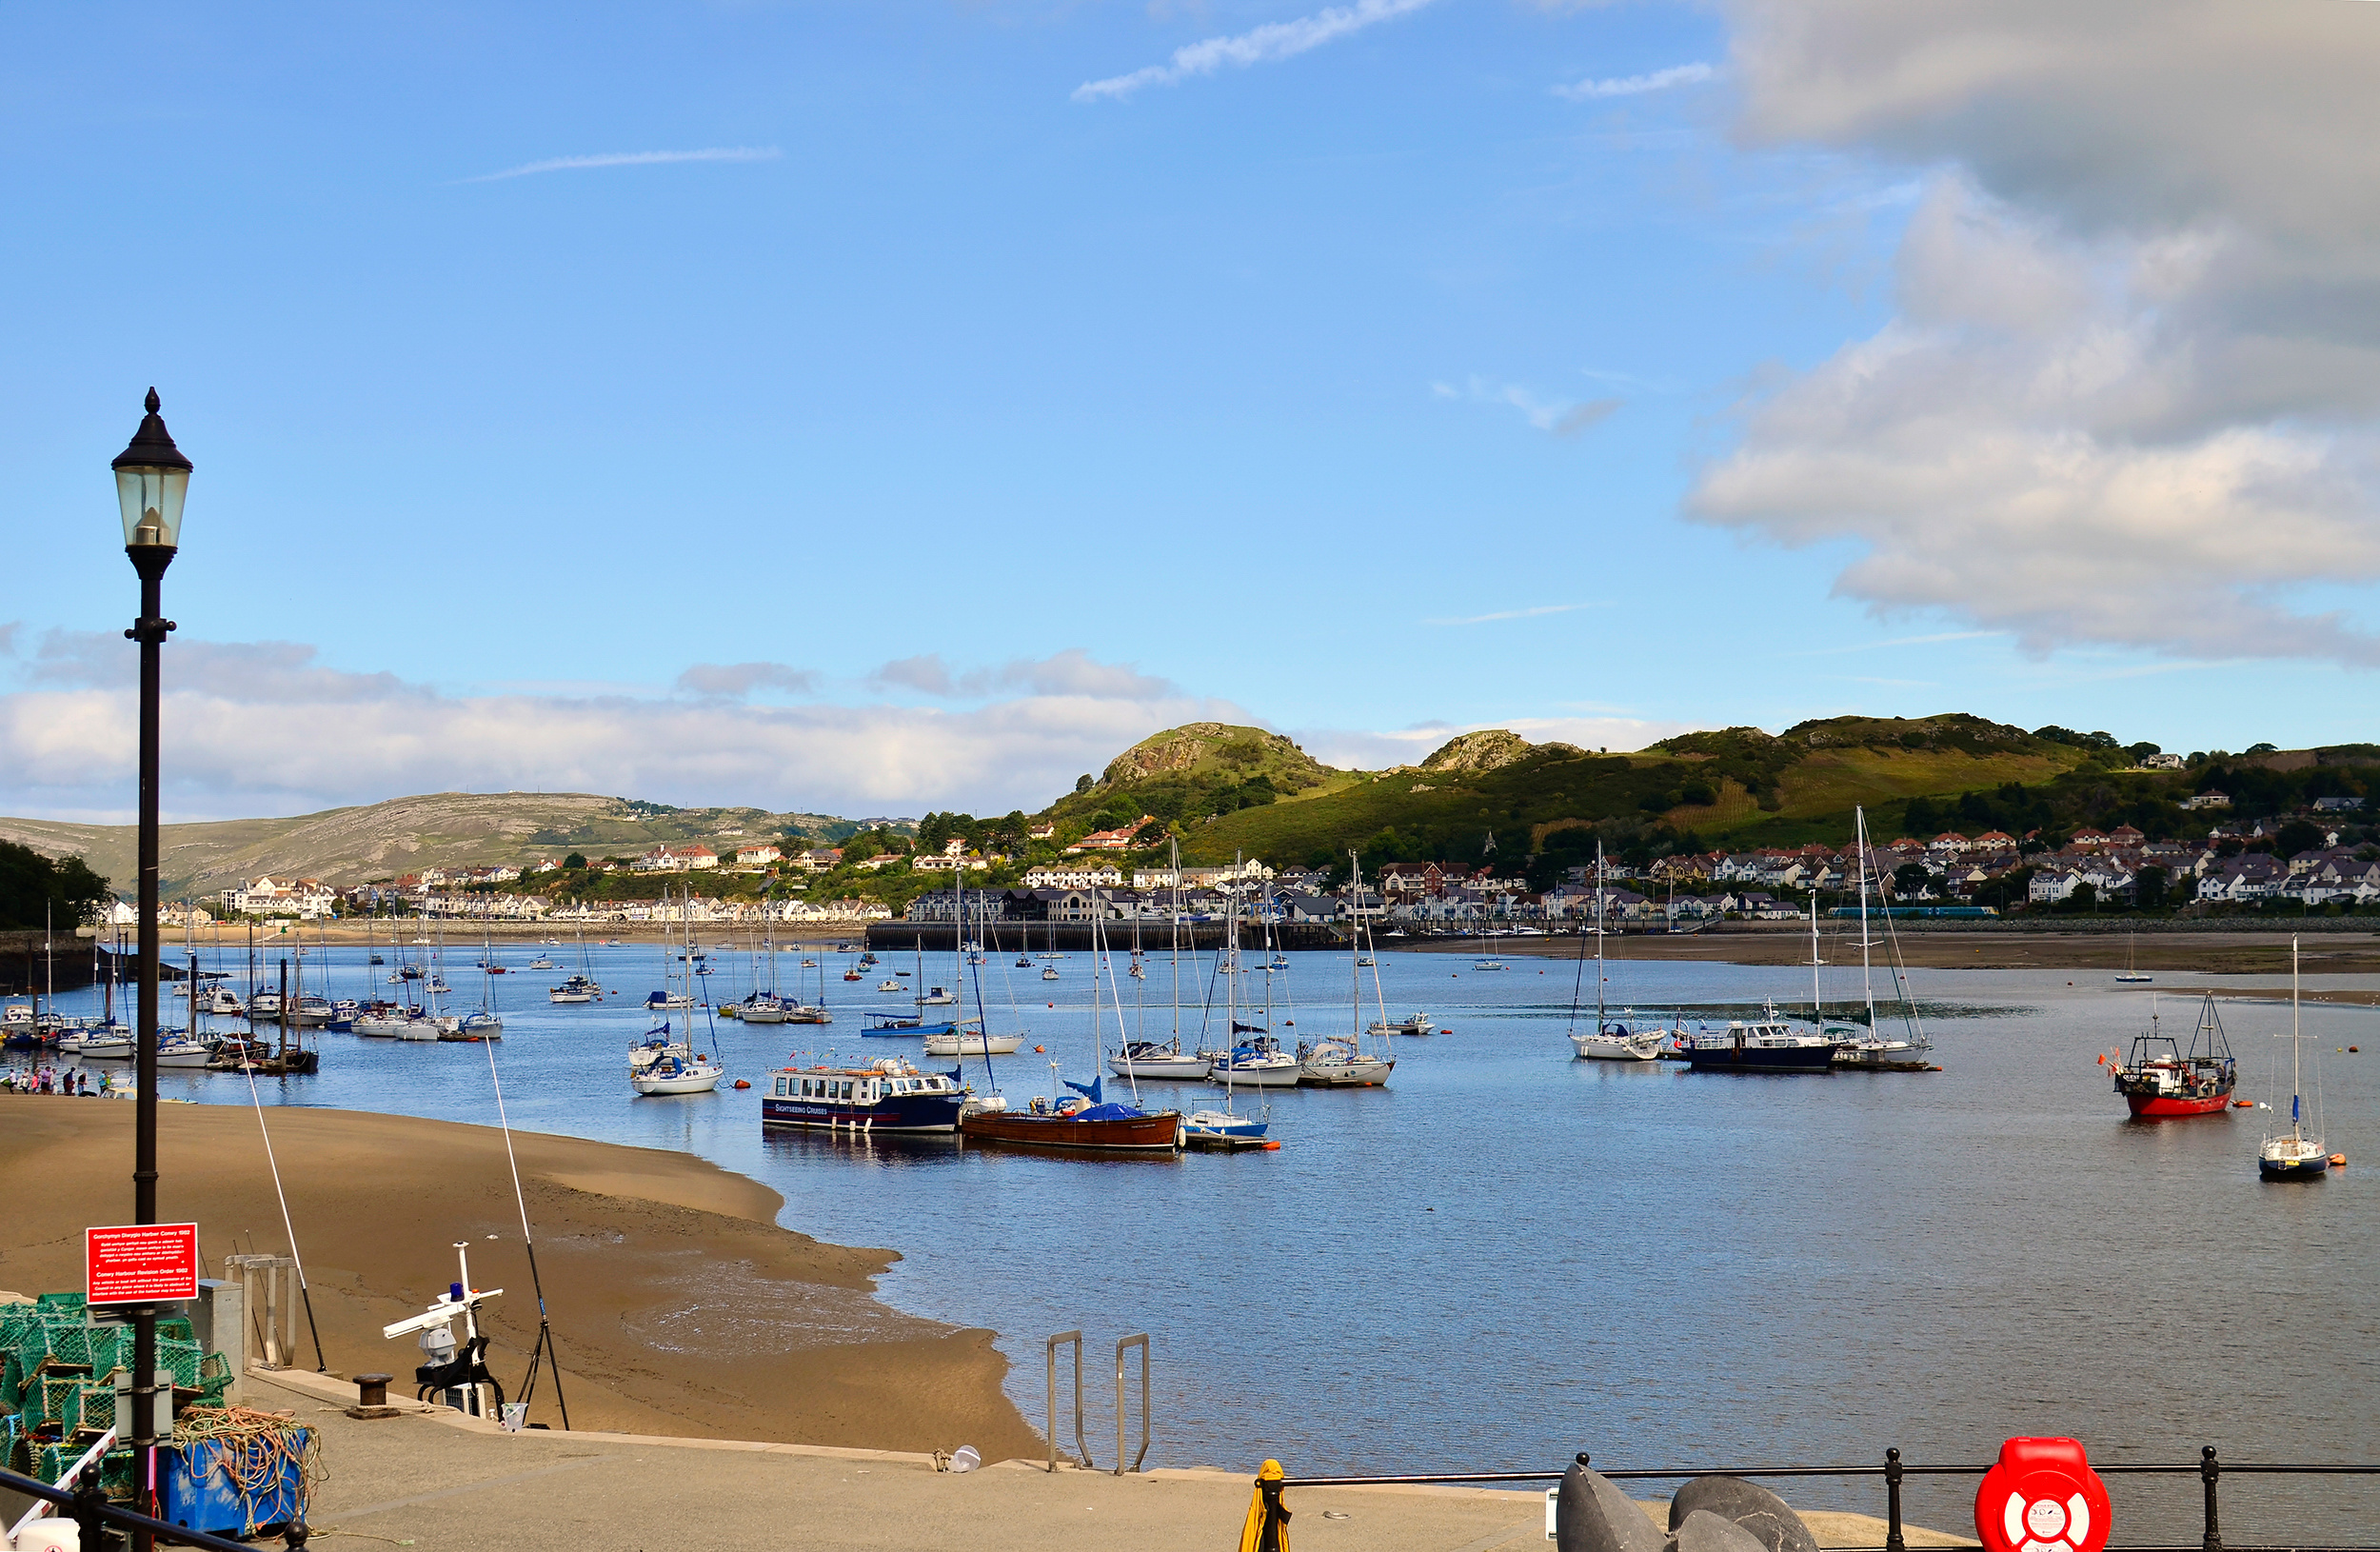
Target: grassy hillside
404	835
1184	774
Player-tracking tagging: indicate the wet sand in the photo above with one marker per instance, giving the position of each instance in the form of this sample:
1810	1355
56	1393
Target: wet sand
680	1307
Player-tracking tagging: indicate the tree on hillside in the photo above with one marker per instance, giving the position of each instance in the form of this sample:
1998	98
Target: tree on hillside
576	860
30	881
2297	836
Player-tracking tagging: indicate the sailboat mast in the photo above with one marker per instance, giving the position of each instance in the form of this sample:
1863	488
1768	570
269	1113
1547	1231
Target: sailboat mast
1598	937
1817	1013
1867	985
2296	1085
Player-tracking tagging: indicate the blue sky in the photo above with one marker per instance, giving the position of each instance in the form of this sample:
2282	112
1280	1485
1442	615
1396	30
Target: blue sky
837	406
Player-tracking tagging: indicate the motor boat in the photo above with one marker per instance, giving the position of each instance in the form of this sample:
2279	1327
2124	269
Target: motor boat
577	989
887	1096
936	997
1418	1024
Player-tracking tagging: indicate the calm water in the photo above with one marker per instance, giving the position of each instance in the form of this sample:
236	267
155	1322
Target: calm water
1508	1255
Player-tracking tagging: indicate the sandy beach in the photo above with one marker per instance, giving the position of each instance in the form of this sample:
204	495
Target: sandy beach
680	1307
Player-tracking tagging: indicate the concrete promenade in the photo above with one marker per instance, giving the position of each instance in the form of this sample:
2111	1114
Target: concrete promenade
438	1480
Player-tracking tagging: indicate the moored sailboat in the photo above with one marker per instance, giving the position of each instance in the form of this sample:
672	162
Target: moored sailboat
2295	1154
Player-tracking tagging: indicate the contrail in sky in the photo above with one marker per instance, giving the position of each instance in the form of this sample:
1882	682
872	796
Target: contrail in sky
634	158
1258	45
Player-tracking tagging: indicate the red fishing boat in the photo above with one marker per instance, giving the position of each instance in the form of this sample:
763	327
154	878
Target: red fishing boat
1076	1123
2162	1080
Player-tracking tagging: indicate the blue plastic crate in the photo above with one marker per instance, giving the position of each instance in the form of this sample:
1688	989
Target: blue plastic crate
200	1495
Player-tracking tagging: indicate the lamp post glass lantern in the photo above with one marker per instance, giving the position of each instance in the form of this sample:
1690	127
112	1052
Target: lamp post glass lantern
152	477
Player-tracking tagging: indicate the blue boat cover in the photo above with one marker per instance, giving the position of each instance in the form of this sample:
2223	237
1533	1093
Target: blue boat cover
1089	1092
1108	1112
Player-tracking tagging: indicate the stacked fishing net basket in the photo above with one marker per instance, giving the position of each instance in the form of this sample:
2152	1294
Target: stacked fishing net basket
58	1387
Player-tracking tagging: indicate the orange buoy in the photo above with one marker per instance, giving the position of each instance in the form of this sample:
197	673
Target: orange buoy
1275	1147
1037	1051
2338	1161
2243	1105
744	1083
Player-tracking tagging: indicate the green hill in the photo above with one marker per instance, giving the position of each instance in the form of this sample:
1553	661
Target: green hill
1185	775
1738	787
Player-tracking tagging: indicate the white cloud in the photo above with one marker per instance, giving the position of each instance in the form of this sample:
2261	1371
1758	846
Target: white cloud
1265	45
261	728
1511	614
1073	671
1632	85
632	158
1558	417
2128	396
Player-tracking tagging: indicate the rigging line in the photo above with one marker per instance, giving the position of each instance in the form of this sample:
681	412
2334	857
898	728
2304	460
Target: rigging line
1114	999
247	1061
544	1330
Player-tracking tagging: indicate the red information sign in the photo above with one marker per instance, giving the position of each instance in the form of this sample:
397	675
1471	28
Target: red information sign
141	1264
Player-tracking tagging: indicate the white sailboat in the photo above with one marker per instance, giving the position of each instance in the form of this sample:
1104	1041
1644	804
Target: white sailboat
1341	1062
1857	1044
1163	1059
662	1066
1610	1040
2296	1154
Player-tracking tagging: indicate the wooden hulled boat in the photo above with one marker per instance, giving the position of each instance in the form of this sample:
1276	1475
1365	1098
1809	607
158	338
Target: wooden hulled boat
1077	1125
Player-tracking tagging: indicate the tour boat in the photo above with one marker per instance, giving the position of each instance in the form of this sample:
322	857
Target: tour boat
1159	1058
889	1096
2293	1154
1420	1023
970	1042
1766	1044
2162	1080
1081	1122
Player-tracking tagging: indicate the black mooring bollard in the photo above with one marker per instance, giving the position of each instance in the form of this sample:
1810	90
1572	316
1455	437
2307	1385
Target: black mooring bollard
1893	1542
2208	1469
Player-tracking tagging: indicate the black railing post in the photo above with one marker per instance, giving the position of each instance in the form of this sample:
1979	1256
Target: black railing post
1893	1542
87	1500
2208	1469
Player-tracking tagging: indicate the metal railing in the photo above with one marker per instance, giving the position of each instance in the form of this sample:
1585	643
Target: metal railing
1081	1450
92	1512
2209	1468
1139	1340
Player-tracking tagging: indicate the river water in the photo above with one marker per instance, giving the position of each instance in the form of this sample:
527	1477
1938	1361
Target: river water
1507	1256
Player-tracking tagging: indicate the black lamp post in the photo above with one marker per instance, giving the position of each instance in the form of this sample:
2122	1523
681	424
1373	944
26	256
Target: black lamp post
151	479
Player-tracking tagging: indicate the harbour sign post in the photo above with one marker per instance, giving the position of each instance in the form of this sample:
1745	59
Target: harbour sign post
141	1264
